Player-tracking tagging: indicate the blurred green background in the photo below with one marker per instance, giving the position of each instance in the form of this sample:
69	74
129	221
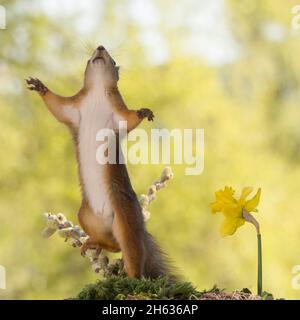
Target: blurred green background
230	67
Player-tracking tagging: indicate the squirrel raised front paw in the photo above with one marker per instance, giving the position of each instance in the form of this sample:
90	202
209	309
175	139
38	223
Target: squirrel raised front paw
145	113
36	85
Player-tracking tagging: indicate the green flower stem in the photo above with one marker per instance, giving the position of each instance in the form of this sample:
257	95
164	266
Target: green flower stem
259	266
249	217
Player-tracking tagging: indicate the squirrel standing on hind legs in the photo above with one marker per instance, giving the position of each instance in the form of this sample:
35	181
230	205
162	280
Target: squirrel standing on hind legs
110	213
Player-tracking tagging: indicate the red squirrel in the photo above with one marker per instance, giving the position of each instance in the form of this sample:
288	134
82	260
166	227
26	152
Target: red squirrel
110	213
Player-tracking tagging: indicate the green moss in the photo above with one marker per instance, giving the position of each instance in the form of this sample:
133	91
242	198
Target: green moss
121	288
124	288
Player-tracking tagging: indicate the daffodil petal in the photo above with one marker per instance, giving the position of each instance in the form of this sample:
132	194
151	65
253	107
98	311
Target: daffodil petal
229	226
251	204
226	195
216	207
226	203
245	193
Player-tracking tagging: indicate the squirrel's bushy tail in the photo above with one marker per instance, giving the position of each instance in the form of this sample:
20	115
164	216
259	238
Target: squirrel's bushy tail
157	263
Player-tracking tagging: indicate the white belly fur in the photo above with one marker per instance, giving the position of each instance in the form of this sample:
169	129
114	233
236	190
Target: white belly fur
94	115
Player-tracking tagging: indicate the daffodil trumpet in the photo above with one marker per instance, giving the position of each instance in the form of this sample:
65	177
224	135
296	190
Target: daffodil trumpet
236	212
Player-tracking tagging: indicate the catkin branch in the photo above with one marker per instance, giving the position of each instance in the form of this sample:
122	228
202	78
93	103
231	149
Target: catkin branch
146	199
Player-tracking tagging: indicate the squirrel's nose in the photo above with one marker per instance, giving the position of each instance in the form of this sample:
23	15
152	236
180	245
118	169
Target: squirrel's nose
100	48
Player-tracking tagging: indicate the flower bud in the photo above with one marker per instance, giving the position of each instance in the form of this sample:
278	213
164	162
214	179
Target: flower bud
146	214
152	189
65	233
96	267
103	260
167	174
61	218
144	201
48	232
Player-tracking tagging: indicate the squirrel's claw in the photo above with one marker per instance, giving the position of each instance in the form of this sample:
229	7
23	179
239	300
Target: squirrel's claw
36	85
145	113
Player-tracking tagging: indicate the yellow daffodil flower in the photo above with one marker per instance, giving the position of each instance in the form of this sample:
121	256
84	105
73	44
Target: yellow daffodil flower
233	208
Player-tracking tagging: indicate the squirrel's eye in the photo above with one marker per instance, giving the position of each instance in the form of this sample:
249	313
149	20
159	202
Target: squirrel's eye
114	62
